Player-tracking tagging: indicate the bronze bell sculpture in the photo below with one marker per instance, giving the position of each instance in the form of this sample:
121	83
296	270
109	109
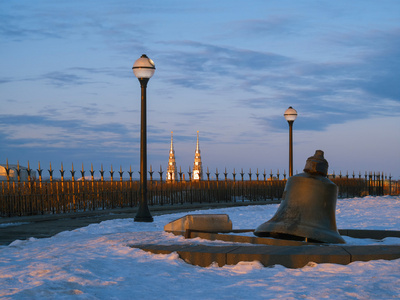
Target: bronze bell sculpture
307	211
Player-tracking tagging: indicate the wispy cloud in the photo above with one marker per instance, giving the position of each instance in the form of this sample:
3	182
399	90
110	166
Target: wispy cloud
50	132
61	79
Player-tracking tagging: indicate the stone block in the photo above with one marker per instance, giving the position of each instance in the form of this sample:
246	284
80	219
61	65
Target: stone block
201	222
204	256
158	249
244	239
289	256
373	252
369	234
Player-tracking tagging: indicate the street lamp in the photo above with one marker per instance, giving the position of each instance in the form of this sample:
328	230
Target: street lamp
290	115
144	69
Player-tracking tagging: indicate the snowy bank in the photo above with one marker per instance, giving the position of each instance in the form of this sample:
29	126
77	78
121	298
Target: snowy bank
95	262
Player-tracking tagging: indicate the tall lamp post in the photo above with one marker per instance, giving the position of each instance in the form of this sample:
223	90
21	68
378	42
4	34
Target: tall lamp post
290	115
144	69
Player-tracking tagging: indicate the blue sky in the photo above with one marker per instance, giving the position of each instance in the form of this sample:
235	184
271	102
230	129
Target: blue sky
228	69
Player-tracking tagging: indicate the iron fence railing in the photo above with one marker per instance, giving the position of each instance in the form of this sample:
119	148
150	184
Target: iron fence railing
18	198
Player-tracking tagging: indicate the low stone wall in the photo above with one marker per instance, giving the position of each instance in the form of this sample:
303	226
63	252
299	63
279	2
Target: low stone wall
269	252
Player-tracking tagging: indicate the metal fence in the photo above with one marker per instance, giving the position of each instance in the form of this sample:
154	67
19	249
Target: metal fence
18	198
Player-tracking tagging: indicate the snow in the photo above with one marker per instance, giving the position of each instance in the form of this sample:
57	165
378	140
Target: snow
94	262
13	224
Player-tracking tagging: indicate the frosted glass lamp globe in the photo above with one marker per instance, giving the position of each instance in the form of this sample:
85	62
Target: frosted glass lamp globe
144	67
290	114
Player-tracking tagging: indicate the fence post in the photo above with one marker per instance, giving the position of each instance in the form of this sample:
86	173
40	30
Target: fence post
151	189
234	185
92	172
130	173
8	174
28	170
18	172
112	174
160	172
83	173
73	172
40	175
62	172
151	173
73	188
370	183
50	173
102	173
120	173
180	174
242	184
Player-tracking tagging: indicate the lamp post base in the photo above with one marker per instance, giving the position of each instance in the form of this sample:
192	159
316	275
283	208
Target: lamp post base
143	215
143	219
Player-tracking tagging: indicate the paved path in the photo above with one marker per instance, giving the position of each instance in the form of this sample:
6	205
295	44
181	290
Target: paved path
43	226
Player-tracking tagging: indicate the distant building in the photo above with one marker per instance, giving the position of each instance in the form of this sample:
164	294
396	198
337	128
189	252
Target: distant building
171	171
197	166
13	173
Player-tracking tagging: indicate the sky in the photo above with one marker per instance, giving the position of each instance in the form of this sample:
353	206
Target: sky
96	262
228	69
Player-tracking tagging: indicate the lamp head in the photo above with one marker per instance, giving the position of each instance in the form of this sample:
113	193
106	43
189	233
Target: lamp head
290	114
144	67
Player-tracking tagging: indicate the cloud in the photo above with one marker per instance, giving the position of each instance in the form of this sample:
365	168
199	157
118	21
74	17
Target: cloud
375	63
199	65
21	22
30	130
61	79
335	92
5	80
384	70
118	72
74	76
278	25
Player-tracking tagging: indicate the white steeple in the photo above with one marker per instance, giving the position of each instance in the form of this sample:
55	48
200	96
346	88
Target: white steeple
197	166
171	171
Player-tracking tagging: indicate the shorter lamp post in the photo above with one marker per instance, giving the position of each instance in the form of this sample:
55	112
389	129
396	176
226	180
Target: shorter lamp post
290	115
144	69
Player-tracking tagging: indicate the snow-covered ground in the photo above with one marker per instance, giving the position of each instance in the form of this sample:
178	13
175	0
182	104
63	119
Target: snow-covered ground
95	262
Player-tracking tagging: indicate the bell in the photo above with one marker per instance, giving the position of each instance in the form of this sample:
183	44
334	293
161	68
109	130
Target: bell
307	211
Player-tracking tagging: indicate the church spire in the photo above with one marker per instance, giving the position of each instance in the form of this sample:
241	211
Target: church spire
171	171
197	166
172	143
197	145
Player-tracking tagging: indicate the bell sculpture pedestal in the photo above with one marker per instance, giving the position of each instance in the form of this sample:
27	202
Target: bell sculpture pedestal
307	211
304	220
